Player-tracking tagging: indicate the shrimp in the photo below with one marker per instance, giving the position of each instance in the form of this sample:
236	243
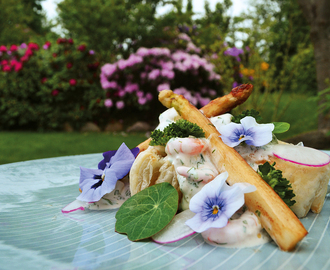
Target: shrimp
189	159
245	230
205	174
189	146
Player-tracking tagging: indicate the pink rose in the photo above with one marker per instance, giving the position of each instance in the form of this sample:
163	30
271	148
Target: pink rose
72	82
108	103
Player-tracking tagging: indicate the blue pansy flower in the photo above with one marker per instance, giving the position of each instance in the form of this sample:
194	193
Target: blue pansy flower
216	202
248	131
94	183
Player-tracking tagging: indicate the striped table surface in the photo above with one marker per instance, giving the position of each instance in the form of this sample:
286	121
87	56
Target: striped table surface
35	234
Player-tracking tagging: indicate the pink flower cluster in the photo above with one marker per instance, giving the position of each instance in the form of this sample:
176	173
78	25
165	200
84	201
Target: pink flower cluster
148	71
15	56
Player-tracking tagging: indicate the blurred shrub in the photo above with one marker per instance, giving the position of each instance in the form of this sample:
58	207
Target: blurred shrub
134	83
42	88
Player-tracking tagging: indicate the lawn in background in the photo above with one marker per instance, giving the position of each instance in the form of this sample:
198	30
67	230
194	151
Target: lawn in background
21	146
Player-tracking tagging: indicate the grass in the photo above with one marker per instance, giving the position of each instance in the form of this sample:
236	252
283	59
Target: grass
20	146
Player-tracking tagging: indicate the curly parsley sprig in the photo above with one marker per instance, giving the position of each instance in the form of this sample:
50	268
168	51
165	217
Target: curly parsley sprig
275	179
181	129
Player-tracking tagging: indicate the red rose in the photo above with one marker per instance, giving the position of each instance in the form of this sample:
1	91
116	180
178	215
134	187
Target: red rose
81	47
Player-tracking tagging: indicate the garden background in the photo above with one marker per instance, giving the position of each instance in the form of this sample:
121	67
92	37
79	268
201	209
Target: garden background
112	57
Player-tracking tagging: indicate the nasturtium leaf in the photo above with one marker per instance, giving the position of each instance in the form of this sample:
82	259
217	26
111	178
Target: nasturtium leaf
281	127
147	212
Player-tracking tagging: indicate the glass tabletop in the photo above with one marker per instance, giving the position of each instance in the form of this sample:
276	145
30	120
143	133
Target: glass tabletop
35	234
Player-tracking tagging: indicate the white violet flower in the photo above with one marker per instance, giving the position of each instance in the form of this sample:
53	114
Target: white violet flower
249	131
216	202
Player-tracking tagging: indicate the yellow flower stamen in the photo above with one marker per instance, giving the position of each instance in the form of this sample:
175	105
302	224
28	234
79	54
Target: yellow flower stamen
241	137
215	209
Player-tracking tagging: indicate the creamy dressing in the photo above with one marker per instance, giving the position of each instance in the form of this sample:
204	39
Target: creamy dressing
242	230
193	165
167	117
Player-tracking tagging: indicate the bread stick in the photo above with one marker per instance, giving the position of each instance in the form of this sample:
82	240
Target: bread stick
275	216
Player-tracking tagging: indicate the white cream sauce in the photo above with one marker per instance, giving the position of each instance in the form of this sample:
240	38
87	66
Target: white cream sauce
243	230
192	162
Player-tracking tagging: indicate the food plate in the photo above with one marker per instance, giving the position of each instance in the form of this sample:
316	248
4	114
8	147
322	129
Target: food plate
35	234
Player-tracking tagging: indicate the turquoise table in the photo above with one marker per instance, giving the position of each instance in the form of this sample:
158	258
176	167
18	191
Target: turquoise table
35	234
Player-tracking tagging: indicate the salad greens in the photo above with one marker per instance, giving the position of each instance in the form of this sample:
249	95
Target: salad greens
275	179
179	129
147	212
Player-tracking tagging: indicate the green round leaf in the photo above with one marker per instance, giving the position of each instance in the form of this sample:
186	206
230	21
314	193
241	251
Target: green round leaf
147	212
281	127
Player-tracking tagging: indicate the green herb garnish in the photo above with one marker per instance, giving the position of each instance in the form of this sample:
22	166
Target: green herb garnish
253	113
179	129
275	179
147	212
281	127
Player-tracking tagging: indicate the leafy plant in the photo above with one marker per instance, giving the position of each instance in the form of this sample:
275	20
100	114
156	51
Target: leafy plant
137	80
147	212
43	88
276	181
179	129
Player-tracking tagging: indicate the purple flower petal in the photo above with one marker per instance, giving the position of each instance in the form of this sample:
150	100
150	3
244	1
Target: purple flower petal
95	183
215	203
249	131
107	155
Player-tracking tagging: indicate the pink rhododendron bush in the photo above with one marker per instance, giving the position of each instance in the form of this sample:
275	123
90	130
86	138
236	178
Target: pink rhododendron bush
44	86
134	83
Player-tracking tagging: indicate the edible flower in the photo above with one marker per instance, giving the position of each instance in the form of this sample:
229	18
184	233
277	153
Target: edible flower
94	183
248	131
216	202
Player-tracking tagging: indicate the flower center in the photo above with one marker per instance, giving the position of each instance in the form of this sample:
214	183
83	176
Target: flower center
241	137
215	209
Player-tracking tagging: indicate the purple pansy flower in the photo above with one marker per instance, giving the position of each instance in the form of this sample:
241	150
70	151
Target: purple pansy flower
249	131
216	202
94	183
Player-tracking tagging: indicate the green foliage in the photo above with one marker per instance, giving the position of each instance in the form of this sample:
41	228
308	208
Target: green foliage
20	21
113	28
179	129
281	127
276	181
255	114
44	88
147	212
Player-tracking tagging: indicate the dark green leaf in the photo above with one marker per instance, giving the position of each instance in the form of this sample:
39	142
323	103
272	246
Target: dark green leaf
147	212
179	129
281	127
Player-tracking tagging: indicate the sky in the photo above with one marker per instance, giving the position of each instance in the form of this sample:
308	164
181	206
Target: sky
198	5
